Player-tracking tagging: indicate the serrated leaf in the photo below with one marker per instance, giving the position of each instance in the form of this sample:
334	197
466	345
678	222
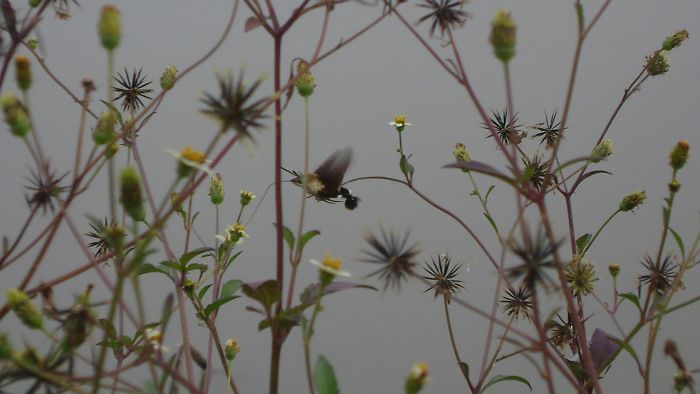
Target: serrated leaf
209	309
324	377
631	298
582	242
289	237
307	237
506	378
679	241
230	287
267	293
185	258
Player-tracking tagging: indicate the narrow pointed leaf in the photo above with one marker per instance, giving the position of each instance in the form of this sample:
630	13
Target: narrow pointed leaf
324	377
506	378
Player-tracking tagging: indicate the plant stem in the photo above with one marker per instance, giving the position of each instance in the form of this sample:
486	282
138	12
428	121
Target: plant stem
453	343
599	231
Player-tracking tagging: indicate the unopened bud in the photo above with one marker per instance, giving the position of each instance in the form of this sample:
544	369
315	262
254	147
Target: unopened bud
675	40
674	186
216	189
19	302
602	150
15	115
246	197
633	200
104	131
109	27
417	378
131	196
167	80
23	72
503	36
5	347
231	349
679	154
614	269
305	82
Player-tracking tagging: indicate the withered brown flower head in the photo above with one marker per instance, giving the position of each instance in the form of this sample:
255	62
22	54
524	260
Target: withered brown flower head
395	257
444	14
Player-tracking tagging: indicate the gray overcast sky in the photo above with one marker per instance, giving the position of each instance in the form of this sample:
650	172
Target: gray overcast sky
371	338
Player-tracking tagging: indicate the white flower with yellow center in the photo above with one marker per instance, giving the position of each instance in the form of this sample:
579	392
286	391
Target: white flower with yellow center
192	158
331	265
233	233
400	122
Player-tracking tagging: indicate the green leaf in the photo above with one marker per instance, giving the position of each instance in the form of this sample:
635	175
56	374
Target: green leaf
406	167
185	258
465	368
209	309
289	237
147	268
196	266
579	15
488	193
490	219
108	327
582	242
505	378
481	168
230	287
149	388
203	292
626	346
172	265
267	293
631	297
679	241
307	237
324	377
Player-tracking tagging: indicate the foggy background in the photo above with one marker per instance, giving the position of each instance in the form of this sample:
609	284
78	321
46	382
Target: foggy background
373	338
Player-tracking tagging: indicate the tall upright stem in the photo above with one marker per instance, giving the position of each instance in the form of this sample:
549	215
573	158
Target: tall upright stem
279	219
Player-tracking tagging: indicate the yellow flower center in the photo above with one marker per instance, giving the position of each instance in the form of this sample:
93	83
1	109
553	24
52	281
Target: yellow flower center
400	120
239	228
419	371
331	262
192	155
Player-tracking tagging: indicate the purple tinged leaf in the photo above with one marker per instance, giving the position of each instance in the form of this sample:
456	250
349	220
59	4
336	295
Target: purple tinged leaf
310	294
251	23
480	167
602	347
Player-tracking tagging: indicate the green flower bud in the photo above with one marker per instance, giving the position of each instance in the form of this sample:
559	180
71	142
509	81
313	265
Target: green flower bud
231	349
216	189
19	302
104	131
5	347
33	43
111	150
614	269
679	154
177	206
681	380
675	40
503	36
34	3
167	80
633	200
109	27
131	196
23	72
305	82
460	152
189	287
580	274
416	379
658	63
15	115
602	150
246	197
674	186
